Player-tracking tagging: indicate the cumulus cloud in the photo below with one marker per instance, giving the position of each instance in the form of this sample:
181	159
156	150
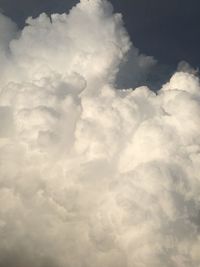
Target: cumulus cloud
91	175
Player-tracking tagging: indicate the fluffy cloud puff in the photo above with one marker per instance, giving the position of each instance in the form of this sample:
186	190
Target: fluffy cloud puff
91	175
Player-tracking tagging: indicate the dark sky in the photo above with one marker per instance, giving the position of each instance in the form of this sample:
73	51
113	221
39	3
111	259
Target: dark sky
169	30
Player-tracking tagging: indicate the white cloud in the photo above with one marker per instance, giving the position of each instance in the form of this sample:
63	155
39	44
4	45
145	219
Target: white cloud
91	175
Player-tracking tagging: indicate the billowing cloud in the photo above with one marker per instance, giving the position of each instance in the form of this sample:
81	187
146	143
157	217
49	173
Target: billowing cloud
91	175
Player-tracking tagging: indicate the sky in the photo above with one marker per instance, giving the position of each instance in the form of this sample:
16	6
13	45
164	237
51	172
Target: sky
99	139
168	30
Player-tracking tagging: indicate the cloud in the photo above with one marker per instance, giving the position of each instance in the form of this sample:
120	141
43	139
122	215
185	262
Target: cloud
92	175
